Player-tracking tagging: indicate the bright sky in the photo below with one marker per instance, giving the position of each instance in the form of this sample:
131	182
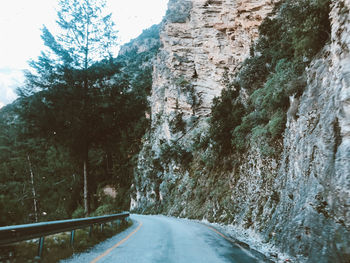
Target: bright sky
21	21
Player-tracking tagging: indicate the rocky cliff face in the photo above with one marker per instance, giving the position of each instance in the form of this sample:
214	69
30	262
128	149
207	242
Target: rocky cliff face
315	166
203	44
298	201
202	41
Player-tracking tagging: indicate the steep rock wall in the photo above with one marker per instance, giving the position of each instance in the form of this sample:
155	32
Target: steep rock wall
314	179
210	41
298	201
203	42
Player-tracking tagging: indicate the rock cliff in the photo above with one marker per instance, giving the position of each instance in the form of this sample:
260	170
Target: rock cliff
297	200
202	41
315	170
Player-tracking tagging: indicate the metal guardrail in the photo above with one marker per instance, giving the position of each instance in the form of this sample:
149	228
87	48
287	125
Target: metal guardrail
13	234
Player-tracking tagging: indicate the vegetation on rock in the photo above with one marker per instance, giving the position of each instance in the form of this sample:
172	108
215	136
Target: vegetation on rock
289	38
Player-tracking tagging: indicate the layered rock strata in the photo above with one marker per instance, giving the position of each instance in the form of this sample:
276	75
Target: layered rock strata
202	47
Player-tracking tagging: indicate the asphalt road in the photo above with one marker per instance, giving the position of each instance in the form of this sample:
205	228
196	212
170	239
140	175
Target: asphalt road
160	239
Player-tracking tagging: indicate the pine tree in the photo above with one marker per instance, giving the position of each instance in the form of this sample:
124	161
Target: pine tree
62	92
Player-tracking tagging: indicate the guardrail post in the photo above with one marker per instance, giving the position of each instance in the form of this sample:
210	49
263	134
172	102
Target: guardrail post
41	247
90	231
101	226
72	238
125	221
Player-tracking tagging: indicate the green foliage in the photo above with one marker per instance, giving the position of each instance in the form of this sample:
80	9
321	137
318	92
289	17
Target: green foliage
253	73
57	115
260	137
239	137
65	96
88	35
177	124
299	30
273	95
277	124
52	173
226	116
105	209
137	65
289	38
174	152
78	213
179	12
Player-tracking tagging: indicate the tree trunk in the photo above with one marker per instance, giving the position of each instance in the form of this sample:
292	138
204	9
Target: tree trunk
86	190
35	201
86	88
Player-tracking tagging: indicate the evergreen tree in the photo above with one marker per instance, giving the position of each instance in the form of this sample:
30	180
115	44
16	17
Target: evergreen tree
63	94
48	170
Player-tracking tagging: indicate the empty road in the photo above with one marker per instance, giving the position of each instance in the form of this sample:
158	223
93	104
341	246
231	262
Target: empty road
160	239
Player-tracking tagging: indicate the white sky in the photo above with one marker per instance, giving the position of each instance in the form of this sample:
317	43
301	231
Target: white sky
21	21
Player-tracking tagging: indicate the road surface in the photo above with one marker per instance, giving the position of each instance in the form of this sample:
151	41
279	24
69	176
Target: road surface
160	239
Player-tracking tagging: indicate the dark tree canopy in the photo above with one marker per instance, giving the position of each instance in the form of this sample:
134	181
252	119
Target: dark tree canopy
80	128
66	80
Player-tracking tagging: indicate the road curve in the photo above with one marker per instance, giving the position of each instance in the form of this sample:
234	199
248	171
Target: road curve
161	239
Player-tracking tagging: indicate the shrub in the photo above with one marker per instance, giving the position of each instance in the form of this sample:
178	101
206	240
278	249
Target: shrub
177	124
240	137
277	124
260	137
227	112
253	73
105	209
179	11
78	213
174	151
